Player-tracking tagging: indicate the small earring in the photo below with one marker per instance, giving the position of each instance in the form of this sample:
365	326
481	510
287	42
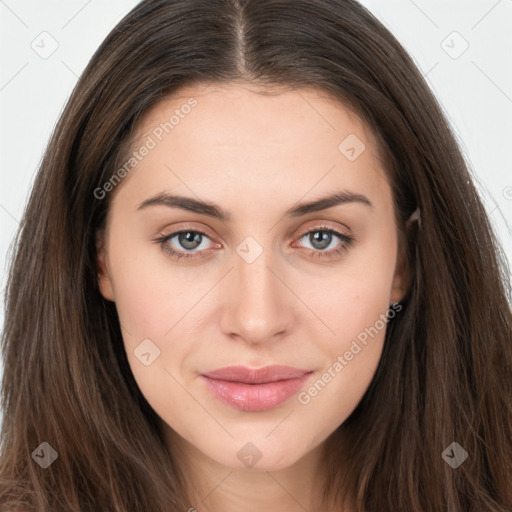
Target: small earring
415	216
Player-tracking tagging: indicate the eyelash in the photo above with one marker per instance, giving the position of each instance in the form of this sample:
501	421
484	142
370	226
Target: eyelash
340	249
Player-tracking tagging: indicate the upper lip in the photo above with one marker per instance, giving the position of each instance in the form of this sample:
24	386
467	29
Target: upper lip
256	376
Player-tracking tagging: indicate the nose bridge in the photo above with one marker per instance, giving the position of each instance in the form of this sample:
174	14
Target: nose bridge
254	279
257	301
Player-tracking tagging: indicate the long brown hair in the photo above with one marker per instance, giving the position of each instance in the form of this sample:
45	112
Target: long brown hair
445	373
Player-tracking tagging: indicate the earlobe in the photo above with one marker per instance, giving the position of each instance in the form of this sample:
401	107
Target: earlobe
398	290
104	282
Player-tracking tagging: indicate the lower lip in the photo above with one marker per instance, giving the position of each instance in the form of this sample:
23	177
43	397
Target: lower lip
255	397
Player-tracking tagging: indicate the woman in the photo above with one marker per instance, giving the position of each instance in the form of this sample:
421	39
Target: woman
178	336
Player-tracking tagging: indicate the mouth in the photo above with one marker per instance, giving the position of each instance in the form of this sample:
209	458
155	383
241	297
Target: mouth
254	390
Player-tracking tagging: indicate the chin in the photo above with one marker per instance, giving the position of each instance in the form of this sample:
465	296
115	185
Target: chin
251	458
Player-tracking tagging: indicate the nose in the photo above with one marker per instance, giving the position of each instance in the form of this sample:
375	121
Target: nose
260	307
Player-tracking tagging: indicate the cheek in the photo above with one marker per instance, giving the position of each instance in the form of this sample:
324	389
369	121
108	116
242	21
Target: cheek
354	306
149	299
154	301
355	295
152	320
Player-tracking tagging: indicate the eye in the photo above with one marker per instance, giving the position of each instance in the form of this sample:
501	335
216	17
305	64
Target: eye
322	237
189	239
189	243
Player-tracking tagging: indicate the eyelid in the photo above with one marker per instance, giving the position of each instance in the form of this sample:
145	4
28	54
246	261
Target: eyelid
310	226
188	227
321	224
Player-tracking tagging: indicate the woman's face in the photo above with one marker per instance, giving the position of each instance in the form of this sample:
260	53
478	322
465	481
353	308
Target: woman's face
281	279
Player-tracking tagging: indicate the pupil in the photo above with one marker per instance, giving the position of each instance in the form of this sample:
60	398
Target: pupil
189	239
323	240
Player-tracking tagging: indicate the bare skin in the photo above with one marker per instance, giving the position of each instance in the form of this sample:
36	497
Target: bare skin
256	156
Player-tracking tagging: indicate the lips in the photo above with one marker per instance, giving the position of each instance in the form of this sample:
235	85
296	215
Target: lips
258	376
255	389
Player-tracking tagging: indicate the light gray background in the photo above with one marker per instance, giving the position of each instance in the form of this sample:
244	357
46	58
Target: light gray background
474	86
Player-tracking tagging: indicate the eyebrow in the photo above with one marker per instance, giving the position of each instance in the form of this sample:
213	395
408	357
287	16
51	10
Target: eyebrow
215	211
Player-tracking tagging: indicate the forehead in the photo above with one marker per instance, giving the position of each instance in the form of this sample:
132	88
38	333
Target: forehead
236	105
205	138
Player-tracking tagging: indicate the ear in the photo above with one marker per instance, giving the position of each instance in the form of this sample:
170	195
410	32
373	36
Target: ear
402	276
104	282
400	285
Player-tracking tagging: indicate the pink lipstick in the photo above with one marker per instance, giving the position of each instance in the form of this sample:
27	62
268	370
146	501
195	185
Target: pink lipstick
255	389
